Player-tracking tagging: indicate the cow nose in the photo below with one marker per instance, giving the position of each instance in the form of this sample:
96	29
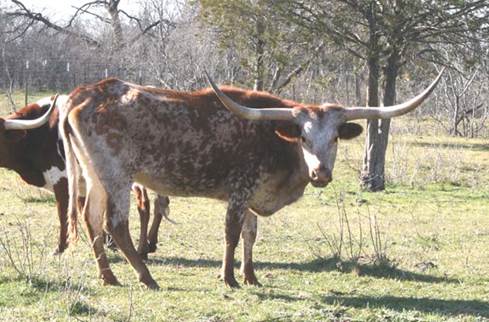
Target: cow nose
321	176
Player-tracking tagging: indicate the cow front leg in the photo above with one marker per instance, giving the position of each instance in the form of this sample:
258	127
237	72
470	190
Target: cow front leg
248	234
61	196
161	209
234	215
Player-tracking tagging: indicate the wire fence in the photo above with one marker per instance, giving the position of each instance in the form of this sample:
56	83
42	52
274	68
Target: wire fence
62	76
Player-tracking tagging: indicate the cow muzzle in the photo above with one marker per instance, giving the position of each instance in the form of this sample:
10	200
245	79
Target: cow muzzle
320	177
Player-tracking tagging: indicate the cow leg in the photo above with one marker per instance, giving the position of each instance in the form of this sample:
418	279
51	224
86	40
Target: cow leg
118	226
248	234
234	215
93	215
143	210
161	209
61	195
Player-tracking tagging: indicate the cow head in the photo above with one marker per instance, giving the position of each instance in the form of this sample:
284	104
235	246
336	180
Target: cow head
13	130
318	128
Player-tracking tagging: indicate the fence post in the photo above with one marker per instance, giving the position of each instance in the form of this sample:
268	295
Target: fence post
26	82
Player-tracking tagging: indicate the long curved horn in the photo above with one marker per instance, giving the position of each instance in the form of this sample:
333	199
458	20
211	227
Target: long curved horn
256	114
385	112
30	124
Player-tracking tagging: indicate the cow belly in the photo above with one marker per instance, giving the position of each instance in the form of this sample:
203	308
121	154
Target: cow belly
52	176
167	186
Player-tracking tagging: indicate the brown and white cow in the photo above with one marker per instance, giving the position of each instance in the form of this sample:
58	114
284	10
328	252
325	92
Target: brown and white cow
30	145
252	149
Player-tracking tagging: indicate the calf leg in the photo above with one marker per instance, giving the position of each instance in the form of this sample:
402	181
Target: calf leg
161	209
118	226
248	234
143	210
234	215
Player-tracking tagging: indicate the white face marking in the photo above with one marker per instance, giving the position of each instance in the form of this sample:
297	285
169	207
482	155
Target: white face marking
52	177
311	159
319	148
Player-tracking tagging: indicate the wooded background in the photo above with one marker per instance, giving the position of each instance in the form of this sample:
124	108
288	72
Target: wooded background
355	52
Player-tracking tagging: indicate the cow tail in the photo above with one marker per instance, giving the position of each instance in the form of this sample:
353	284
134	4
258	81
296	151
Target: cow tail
72	171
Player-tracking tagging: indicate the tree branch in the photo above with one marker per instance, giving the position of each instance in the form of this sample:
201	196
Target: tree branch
38	17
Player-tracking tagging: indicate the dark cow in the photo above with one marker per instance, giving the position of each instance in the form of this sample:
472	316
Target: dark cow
258	156
36	153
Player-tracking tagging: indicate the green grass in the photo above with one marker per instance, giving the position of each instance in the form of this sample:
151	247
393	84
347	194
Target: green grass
433	219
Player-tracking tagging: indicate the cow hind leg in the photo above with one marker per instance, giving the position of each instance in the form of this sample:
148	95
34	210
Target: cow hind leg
248	234
93	215
161	209
118	226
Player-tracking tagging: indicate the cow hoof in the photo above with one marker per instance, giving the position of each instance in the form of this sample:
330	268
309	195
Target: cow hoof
252	281
153	286
231	282
110	279
150	283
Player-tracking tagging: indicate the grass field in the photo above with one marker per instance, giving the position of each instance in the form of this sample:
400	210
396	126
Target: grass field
416	252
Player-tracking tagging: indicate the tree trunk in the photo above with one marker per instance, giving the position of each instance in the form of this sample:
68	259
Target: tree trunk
259	52
373	173
372	177
113	9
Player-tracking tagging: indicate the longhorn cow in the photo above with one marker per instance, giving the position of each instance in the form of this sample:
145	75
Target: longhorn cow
254	150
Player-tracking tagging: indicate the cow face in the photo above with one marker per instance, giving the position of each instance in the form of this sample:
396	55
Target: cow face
14	128
8	141
318	131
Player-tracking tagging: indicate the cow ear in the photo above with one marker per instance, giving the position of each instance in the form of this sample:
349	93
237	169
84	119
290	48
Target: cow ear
289	132
15	135
348	131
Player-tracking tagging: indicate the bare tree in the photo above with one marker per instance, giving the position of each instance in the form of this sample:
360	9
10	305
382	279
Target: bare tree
112	8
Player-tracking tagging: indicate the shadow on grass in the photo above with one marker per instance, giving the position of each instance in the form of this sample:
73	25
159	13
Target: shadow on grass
429	305
470	146
316	265
276	296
